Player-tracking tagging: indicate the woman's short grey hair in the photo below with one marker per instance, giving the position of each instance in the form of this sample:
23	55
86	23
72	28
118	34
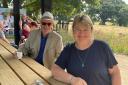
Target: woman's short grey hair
82	19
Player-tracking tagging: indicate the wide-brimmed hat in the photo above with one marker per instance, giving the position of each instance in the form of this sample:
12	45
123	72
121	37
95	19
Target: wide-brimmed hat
47	15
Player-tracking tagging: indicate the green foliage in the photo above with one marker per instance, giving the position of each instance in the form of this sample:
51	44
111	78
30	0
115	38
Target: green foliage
93	2
107	10
93	11
62	10
123	16
33	8
65	9
114	11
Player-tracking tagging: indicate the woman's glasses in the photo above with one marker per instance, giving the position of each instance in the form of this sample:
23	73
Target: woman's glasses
81	30
48	24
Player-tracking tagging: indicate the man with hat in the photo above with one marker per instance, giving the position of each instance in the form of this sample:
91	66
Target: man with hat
43	44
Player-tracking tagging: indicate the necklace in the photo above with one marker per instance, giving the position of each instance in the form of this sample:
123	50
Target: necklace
85	55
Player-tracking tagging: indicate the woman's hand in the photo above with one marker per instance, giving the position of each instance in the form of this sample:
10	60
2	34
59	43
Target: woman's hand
78	81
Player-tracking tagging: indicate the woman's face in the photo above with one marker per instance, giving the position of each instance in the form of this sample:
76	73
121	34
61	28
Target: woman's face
82	33
46	26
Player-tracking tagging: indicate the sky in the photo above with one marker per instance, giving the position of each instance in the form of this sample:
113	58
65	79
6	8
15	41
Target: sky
126	1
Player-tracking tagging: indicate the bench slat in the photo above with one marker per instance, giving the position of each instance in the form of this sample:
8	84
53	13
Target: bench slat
42	71
21	70
7	76
39	69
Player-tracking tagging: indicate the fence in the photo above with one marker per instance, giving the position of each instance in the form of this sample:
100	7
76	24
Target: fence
65	25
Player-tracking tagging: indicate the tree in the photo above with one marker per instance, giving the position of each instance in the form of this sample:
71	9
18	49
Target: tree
123	16
107	10
65	9
62	10
110	11
46	5
4	3
93	11
33	8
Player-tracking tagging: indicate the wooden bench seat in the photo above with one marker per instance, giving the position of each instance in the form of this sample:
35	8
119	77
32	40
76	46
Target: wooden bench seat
26	69
7	75
20	69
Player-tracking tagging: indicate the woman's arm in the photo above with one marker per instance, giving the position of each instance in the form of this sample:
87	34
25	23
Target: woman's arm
65	77
20	24
115	74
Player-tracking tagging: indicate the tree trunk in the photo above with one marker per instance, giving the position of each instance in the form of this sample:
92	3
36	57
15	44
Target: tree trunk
16	11
46	5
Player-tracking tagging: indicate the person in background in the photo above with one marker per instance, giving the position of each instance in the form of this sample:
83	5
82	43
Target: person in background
43	44
24	27
23	21
9	21
25	33
33	25
87	61
2	35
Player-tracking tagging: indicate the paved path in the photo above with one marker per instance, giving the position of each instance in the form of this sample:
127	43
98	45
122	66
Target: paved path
123	64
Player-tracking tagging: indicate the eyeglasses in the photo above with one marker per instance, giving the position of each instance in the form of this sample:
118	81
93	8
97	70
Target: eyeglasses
44	23
79	30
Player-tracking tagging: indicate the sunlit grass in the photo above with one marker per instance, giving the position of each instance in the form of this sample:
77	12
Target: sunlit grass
67	36
115	36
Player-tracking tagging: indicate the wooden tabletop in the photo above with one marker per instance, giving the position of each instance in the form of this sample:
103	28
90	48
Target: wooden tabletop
25	71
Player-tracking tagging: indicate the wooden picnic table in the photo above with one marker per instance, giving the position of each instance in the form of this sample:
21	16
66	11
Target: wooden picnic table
22	72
